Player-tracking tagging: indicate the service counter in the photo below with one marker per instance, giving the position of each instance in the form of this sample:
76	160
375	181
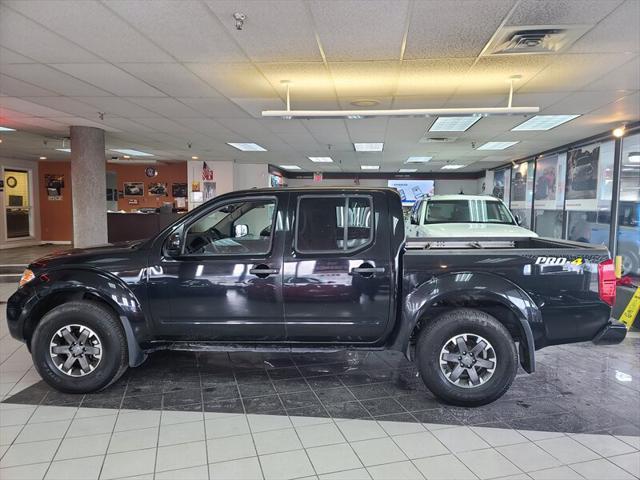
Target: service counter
123	227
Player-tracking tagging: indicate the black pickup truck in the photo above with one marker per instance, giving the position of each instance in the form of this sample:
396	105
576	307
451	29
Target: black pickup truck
314	270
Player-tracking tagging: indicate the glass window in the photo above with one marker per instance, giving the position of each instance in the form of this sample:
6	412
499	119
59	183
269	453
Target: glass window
629	207
321	223
588	192
466	211
236	228
548	203
522	192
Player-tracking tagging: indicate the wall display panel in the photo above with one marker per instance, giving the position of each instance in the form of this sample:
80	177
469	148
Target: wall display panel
549	191
412	190
522	192
629	207
501	181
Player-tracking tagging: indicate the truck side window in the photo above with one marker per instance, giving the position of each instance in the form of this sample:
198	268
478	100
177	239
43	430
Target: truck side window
236	228
321	223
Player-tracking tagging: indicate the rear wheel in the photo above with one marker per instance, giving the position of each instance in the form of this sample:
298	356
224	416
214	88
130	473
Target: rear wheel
79	347
466	357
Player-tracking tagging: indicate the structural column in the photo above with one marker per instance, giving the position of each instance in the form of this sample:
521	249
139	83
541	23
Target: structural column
88	180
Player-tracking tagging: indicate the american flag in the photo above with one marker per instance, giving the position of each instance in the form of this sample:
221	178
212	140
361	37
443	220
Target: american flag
207	173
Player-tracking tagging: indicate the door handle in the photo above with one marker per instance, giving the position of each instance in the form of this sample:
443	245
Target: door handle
263	271
367	270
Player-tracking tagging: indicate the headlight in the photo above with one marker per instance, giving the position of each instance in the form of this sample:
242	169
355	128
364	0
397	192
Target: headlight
27	276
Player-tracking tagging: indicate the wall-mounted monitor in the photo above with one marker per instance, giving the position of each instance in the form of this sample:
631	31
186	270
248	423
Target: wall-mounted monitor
412	190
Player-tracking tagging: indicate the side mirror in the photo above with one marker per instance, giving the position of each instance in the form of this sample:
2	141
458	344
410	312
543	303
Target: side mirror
241	231
174	245
414	220
518	219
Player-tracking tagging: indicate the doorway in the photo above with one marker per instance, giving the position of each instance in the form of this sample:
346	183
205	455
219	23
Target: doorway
18	204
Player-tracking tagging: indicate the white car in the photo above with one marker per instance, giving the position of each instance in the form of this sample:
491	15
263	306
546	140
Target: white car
460	216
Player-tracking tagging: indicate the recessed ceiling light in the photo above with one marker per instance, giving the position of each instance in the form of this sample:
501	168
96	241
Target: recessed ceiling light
618	132
247	147
133	153
290	167
67	150
408	170
418	159
126	156
43	158
7	129
454	124
194	157
369	167
544	122
496	145
452	166
368	147
321	159
365	103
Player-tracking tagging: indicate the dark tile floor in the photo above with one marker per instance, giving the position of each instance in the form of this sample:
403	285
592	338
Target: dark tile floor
576	388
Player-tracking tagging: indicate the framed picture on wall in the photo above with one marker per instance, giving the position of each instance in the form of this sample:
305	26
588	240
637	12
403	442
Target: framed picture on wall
133	189
179	190
158	189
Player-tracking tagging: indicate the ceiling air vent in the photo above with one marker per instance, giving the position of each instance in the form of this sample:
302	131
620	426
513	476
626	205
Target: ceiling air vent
437	139
534	39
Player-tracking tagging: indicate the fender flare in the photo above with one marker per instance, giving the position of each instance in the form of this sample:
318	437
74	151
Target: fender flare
461	287
107	288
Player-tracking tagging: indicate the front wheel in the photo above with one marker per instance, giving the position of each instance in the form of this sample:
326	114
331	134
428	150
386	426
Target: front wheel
79	347
466	357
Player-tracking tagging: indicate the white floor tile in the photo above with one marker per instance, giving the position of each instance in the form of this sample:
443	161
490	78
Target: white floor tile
378	451
226	426
333	458
91	425
137	419
134	440
8	434
26	453
185	455
488	463
94	412
395	471
25	472
87	468
557	473
15	416
230	448
355	474
305	421
355	430
83	447
48	413
193	473
633	441
460	439
418	445
263	423
401	428
275	441
629	462
181	433
604	445
535	435
601	468
443	467
499	437
567	450
287	465
128	464
318	435
34	432
242	469
529	457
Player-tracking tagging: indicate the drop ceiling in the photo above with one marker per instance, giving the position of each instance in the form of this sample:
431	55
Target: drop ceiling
160	77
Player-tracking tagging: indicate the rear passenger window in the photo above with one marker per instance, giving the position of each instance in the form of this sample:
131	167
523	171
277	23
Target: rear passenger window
333	224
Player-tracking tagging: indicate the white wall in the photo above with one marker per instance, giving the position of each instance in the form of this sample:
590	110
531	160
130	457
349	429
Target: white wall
222	176
349	182
451	187
250	175
9	163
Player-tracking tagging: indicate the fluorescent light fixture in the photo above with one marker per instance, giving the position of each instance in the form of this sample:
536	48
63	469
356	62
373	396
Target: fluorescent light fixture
7	129
400	112
418	159
454	124
43	158
496	145
194	157
133	153
321	159
369	167
452	166
634	157
67	150
133	161
247	147
543	122
290	167
408	170
368	147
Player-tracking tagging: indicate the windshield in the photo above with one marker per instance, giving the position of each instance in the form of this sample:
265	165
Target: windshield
467	211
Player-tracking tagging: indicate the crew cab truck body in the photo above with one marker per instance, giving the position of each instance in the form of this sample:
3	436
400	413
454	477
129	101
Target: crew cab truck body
313	270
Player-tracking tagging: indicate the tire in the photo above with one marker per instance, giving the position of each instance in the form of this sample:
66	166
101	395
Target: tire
439	339
106	339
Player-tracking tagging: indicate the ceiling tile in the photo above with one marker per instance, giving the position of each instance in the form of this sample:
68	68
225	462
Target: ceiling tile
116	106
460	29
170	78
367	129
360	29
583	102
109	78
188	29
233	79
50	79
167	107
308	79
432	77
96	28
365	79
29	108
66	104
9	56
17	88
32	40
215	107
275	31
625	77
561	12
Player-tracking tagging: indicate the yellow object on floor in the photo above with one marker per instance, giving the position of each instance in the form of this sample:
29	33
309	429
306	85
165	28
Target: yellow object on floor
631	311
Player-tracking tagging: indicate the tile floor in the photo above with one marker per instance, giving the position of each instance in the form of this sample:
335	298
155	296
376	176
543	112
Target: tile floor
347	416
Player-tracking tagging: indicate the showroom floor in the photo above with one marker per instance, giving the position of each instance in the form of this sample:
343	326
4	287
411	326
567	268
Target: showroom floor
344	415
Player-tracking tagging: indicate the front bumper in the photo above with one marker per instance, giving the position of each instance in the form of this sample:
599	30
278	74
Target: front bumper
16	312
614	332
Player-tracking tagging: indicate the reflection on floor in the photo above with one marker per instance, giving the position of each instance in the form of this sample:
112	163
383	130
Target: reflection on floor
577	388
24	255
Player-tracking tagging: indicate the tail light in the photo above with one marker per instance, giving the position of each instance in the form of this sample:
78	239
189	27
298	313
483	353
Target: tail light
607	282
